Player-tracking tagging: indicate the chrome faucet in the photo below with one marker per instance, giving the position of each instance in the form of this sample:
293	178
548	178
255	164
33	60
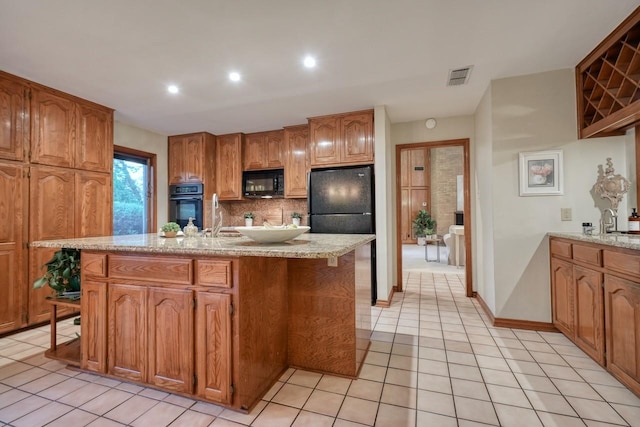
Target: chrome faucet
610	226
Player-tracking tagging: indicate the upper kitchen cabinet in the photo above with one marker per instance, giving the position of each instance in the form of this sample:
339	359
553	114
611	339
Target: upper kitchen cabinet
14	119
341	139
191	159
264	150
94	148
296	139
229	166
608	82
53	136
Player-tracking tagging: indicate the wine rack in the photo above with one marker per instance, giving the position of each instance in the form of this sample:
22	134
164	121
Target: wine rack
608	82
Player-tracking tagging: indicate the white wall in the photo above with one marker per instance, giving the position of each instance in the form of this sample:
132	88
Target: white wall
140	139
530	113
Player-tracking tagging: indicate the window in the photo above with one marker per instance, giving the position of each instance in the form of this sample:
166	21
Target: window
134	202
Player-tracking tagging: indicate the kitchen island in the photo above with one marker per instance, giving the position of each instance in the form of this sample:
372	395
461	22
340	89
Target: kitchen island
595	298
220	319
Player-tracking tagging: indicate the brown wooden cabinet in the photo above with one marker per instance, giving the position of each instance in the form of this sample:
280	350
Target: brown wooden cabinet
341	139
415	190
53	136
14	132
93	197
94	323
94	147
588	311
191	158
263	150
296	139
229	166
13	295
622	318
562	296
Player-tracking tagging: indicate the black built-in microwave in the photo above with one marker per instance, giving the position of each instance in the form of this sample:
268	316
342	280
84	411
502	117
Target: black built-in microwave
264	184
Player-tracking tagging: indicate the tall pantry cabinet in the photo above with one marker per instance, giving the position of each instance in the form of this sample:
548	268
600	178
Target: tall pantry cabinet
56	154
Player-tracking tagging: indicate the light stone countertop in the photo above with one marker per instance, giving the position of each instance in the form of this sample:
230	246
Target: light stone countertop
628	241
307	245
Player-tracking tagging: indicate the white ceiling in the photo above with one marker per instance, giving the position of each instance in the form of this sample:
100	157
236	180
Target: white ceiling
123	54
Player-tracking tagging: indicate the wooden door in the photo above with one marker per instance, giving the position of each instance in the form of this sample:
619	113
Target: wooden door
295	172
405	180
170	358
51	216
562	296
356	134
13	295
176	166
194	158
622	325
53	131
405	220
94	149
14	120
93	204
419	167
229	166
589	312
213	347
94	326
324	141
127	334
274	142
254	152
419	198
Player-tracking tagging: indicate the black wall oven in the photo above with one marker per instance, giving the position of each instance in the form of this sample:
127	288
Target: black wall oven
185	201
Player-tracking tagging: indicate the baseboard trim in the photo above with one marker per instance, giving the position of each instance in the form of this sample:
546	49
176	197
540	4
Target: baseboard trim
499	322
386	303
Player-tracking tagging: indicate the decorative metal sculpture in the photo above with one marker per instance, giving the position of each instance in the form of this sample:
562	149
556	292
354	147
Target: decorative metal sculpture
611	185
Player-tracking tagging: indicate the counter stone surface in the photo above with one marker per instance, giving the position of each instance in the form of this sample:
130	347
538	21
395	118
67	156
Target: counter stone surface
308	245
628	241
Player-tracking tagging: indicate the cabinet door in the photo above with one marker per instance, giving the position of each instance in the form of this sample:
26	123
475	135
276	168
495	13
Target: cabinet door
356	134
562	296
323	141
177	168
94	326
39	309
254	153
295	171
274	149
194	158
419	167
229	167
53	129
14	119
127	335
94	150
171	339
589	312
13	295
213	347
622	319
93	208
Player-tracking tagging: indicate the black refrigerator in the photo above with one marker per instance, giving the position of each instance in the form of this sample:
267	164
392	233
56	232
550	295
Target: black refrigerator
341	201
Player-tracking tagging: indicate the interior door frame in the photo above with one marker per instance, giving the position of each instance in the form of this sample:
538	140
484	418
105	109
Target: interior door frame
464	143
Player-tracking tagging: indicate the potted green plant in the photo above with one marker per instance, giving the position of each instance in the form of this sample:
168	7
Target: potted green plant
423	226
170	229
248	219
295	218
63	273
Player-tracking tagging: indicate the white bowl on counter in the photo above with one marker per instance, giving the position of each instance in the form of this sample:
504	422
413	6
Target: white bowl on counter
272	234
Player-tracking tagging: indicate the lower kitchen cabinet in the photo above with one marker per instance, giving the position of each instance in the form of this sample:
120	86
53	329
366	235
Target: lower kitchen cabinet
94	326
589	312
562	296
622	319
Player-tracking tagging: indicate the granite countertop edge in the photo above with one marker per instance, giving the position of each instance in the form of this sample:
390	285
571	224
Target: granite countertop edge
309	246
627	241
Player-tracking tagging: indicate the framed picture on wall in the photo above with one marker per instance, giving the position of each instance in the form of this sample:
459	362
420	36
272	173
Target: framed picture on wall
541	173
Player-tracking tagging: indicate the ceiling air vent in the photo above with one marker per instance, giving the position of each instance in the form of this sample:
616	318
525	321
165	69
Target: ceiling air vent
459	76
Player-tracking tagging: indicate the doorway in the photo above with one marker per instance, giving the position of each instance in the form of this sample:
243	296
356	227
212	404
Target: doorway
405	167
134	205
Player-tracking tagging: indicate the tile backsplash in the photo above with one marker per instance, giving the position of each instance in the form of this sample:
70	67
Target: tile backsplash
275	211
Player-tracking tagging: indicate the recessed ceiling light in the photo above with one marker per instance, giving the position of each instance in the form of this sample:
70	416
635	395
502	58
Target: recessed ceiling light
309	61
234	76
173	89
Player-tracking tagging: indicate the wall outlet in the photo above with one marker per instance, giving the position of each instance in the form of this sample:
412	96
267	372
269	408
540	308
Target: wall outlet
565	214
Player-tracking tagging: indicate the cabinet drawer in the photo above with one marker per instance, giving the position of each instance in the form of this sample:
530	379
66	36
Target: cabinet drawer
94	264
624	263
164	270
559	248
587	254
214	273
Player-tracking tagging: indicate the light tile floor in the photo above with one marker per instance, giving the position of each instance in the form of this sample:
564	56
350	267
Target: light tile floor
434	361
